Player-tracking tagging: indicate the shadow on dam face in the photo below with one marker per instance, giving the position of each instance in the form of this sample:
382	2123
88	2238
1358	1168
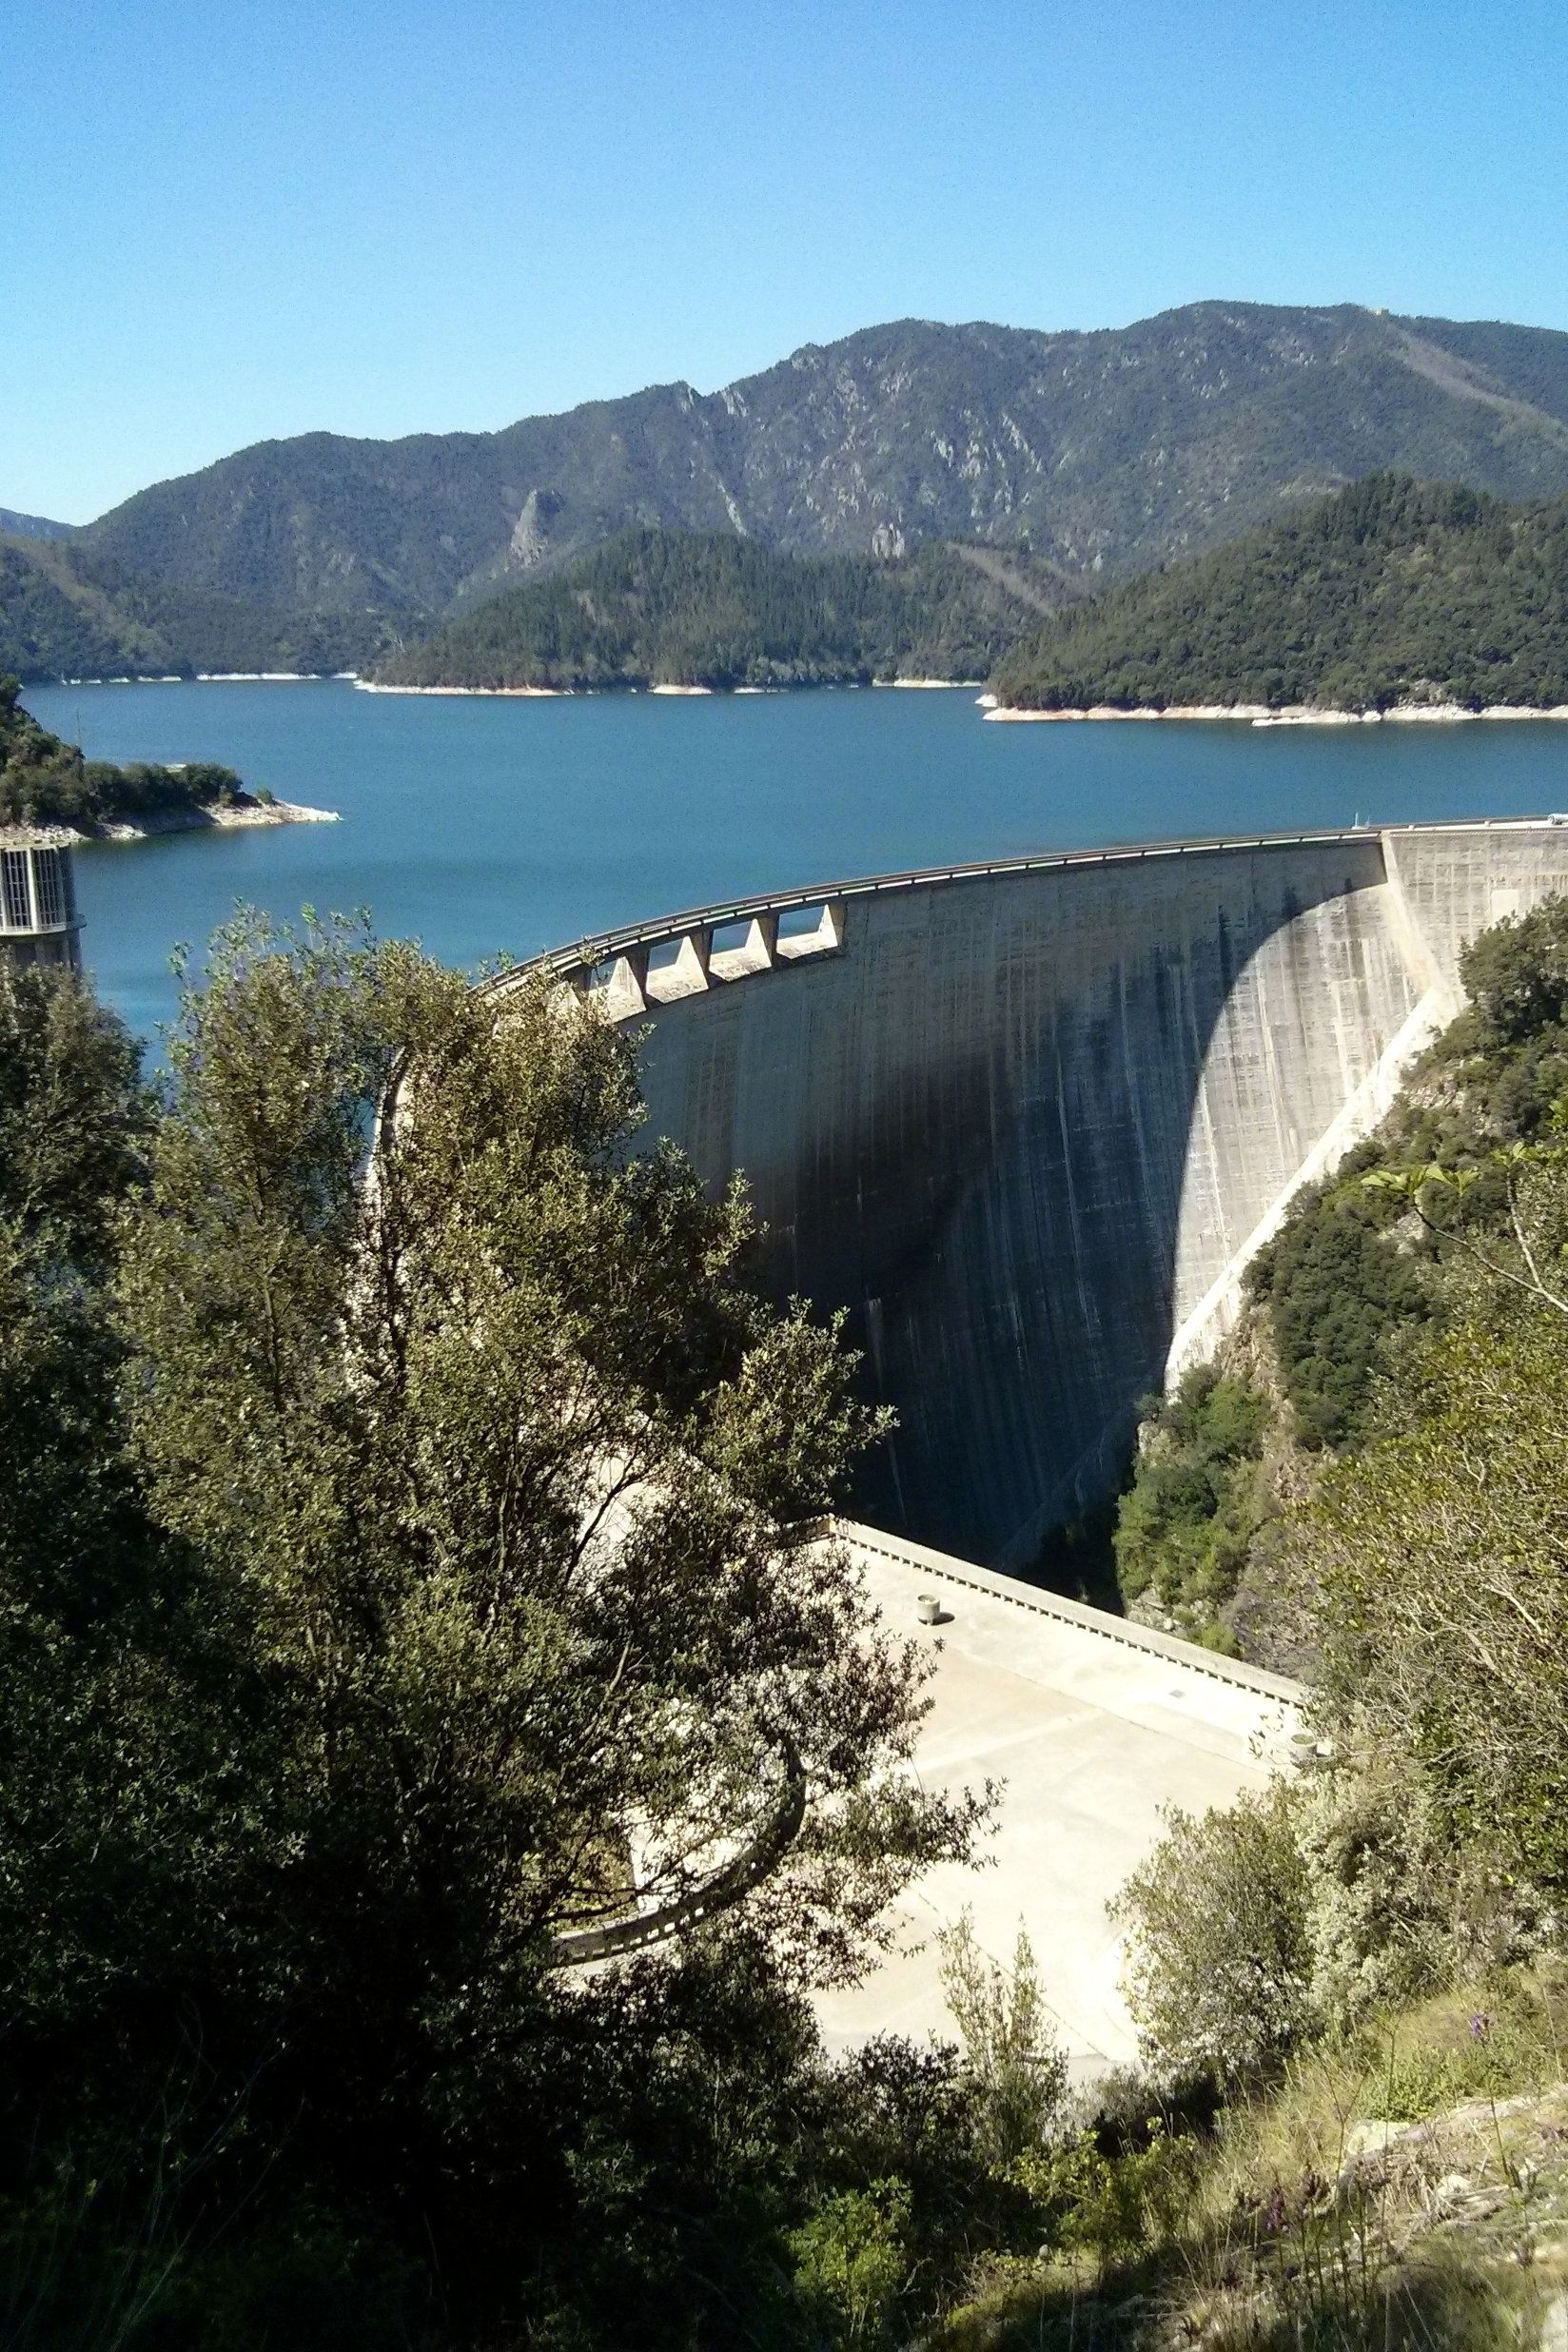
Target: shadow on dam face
1026	1124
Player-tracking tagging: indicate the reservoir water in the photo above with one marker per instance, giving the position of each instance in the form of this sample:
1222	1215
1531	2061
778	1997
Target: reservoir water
480	826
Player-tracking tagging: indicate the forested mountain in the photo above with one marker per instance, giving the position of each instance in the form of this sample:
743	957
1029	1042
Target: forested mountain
666	607
1392	591
53	625
31	526
1104	453
67	610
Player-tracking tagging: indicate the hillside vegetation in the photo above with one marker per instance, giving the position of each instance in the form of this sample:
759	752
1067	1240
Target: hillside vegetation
1365	1960
1393	591
1370	1272
1104	453
44	782
67	611
658	607
17	525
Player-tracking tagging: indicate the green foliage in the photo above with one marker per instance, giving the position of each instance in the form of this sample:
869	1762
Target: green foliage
31	526
1392	591
73	1129
1351	1271
851	2258
384	1564
1419	1309
1186	1524
1301	1913
1440	1559
49	627
1093	456
73	1119
68	610
1491	2037
663	607
1393	1906
1516	975
1114	2202
1018	2067
1219	1954
44	782
1338	1282
892	2110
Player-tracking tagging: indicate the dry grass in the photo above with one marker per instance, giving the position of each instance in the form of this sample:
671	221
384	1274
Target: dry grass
1406	2194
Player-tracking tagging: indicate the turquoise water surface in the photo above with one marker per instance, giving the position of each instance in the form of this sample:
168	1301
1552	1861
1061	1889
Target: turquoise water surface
481	826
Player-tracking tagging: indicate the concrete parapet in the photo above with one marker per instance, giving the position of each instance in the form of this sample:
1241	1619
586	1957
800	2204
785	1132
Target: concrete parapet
618	986
678	967
736	949
1148	1641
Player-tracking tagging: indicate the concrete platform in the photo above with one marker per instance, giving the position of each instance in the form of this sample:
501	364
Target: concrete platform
1094	1726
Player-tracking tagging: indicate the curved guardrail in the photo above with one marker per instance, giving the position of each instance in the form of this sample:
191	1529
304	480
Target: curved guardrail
718	1893
596	948
632	939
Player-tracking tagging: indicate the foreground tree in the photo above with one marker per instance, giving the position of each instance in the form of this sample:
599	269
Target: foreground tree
471	1607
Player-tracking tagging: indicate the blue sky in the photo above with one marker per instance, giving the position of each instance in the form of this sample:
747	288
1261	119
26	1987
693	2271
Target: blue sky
224	221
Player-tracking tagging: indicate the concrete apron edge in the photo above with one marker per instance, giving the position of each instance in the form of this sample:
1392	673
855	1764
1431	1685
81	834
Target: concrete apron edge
1258	1680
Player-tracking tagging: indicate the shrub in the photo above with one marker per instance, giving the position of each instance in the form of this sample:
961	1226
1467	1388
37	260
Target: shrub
1517	975
1186	1524
1019	2068
1440	1558
1219	1968
1337	1283
851	2261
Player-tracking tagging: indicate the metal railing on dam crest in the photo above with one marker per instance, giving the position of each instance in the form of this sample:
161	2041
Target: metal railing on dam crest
1028	1120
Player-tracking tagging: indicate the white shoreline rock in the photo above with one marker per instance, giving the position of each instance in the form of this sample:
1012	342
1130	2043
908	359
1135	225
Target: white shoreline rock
203	820
527	694
1259	715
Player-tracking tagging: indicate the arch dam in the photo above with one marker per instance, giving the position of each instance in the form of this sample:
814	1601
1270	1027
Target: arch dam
1029	1121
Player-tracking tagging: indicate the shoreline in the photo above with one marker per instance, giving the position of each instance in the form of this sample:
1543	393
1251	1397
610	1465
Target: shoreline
1292	714
157	821
919	685
373	686
205	677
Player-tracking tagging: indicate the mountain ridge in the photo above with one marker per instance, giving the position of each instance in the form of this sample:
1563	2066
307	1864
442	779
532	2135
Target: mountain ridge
910	430
1100	453
15	525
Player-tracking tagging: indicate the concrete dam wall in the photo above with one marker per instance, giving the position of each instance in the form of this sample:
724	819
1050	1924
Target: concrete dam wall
1027	1122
